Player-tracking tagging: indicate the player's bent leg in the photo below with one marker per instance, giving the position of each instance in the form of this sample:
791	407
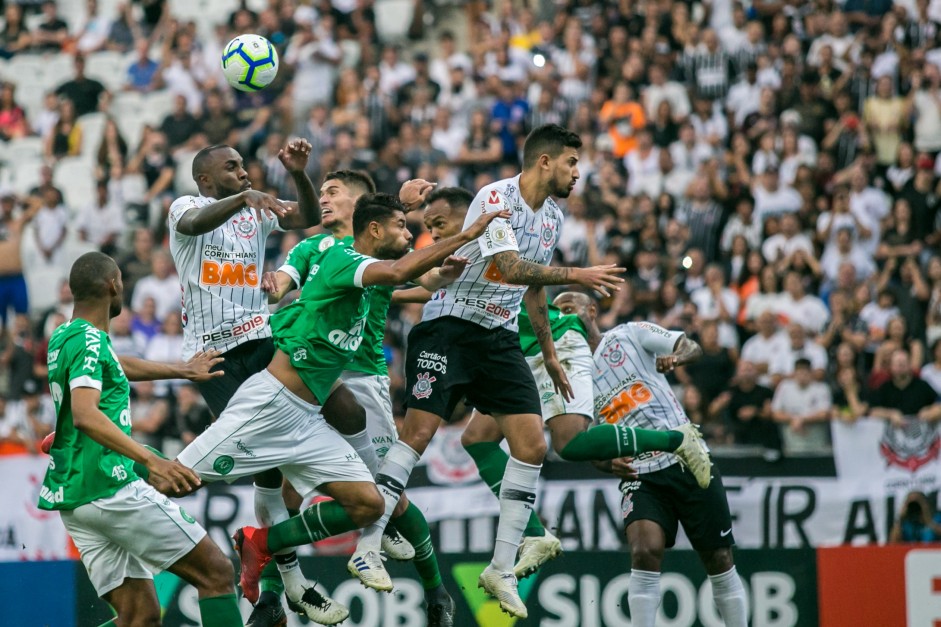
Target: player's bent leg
211	573
134	603
345	414
396	468
727	589
564	428
647	542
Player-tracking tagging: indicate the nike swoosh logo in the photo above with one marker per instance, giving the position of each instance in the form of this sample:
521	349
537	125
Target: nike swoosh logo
726	532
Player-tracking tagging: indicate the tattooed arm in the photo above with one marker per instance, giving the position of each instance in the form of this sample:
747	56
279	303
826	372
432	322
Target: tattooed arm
518	271
537	307
686	351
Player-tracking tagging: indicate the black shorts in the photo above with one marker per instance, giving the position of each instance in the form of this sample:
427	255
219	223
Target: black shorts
672	496
240	363
450	359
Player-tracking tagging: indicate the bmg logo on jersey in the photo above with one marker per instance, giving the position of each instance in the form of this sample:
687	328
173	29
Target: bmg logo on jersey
228	274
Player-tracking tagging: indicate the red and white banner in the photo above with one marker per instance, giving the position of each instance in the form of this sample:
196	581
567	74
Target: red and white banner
26	532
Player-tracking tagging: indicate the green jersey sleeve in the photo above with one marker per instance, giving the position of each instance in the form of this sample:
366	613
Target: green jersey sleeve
301	258
344	267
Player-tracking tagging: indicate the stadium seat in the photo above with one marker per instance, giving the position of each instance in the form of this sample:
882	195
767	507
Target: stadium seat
23	148
30	95
183	177
134	188
24	174
393	17
93	125
157	105
109	67
75	176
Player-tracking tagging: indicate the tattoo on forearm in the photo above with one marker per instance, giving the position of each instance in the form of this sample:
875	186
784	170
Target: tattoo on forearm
687	351
541	325
521	272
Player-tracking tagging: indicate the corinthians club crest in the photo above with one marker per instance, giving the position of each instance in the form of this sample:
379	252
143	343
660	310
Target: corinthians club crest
422	387
912	446
245	226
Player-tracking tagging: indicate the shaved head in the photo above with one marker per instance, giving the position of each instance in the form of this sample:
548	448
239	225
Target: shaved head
577	303
202	162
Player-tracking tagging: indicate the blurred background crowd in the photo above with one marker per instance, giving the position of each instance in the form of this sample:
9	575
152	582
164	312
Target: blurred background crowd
767	171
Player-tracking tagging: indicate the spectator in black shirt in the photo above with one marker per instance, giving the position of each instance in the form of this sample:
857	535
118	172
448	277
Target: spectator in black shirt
52	33
85	93
749	409
180	126
905	396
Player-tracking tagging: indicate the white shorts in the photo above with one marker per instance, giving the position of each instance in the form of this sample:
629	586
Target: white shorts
372	392
131	534
265	426
575	356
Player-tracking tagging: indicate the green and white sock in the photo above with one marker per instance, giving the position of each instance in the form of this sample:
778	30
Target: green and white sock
613	441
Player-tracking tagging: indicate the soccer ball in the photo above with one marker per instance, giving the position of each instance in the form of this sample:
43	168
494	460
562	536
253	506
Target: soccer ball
249	62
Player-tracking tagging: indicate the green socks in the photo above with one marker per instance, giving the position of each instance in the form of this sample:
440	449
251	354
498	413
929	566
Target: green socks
491	464
314	524
270	580
220	611
613	441
414	528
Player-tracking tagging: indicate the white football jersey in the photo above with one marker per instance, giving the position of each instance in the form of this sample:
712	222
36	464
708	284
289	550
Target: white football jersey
628	389
220	272
481	295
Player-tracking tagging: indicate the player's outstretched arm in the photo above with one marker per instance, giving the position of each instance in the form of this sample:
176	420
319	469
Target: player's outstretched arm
418	262
276	285
411	295
199	220
518	271
174	478
196	369
294	157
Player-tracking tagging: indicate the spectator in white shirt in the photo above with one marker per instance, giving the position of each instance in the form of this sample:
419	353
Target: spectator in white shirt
643	167
101	222
877	314
93	35
802	406
50	225
870	202
315	56
767	298
797	306
838	38
773	199
763	348
798	346
841	216
162	285
689	152
661	89
742	223
744	95
845	251
714	301
789	240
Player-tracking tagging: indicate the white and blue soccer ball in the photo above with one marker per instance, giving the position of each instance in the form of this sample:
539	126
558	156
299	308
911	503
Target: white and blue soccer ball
249	62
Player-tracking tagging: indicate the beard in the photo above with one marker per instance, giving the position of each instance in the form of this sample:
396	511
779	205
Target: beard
560	190
391	251
114	309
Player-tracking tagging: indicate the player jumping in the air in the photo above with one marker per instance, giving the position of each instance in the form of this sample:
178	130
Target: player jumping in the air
561	363
217	240
273	420
366	376
631	391
467	345
124	529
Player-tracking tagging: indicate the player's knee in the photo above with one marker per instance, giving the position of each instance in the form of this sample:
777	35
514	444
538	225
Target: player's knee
366	508
217	575
530	451
646	557
717	561
147	615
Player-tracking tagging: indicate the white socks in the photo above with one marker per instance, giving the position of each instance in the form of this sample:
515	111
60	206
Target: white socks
391	479
729	595
517	497
362	444
643	597
270	510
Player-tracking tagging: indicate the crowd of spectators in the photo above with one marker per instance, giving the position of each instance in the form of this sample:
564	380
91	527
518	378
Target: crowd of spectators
768	173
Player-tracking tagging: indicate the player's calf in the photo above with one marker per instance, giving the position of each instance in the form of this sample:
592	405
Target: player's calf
361	500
